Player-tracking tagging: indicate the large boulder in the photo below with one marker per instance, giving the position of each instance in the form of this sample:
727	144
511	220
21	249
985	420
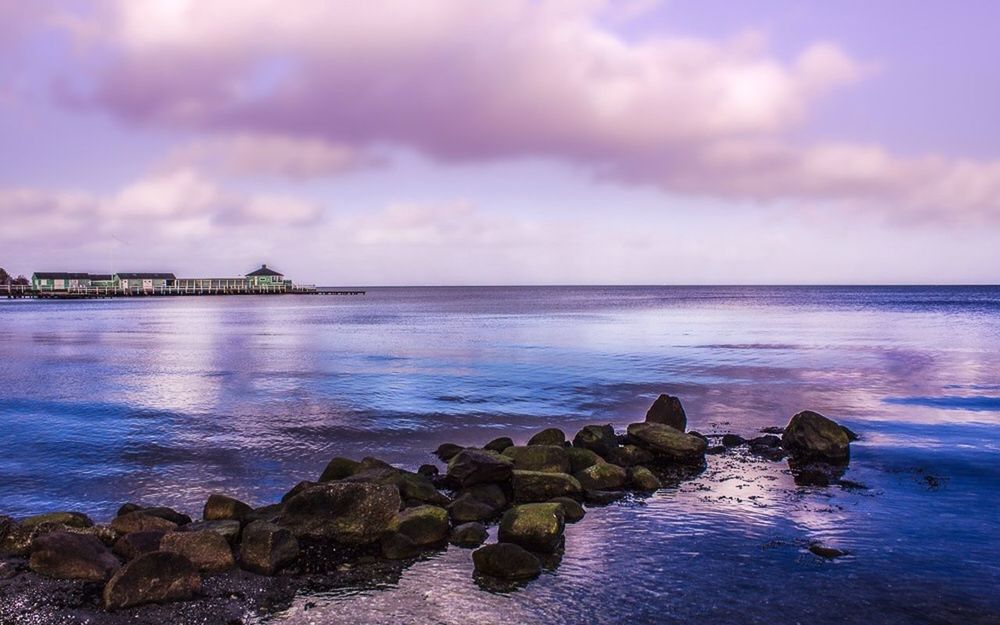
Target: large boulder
207	550
399	547
810	435
64	555
224	508
547	458
140	521
339	468
228	529
667	410
467	508
169	514
642	479
419	488
629	455
506	561
492	494
131	546
423	525
446	451
68	519
499	444
479	466
534	526
267	548
667	443
468	535
572	509
540	486
549	436
599	439
352	513
152	578
603	476
580	459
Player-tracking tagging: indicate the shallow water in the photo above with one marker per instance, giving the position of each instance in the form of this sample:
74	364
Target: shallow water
167	400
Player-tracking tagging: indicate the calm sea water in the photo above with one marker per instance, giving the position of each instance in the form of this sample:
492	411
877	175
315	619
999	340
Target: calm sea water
166	400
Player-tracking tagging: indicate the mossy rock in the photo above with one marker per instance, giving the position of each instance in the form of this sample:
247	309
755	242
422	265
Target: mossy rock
549	436
224	508
667	410
446	451
339	468
541	486
642	479
351	513
534	526
545	458
629	455
603	476
810	435
668	444
207	550
467	508
499	444
424	525
599	439
572	509
506	561
479	466
580	458
468	535
69	519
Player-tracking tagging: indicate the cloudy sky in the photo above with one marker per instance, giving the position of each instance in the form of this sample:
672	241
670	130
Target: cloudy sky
504	142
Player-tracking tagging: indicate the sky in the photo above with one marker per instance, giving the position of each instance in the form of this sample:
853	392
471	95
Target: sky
457	142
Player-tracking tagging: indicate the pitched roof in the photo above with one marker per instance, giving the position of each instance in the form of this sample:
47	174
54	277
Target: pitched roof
146	276
104	277
60	275
264	271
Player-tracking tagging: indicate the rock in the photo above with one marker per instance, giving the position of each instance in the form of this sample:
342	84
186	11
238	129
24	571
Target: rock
168	514
17	538
467	508
63	555
506	561
339	468
699	435
207	550
549	436
810	473
298	488
534	526
7	525
152	578
224	508
851	435
546	458
131	546
827	552
642	479
428	470
478	466
352	513
69	519
732	440
140	521
228	529
267	548
667	410
499	444
572	510
446	451
540	486
715	450
772	430
599	439
629	455
603	497
399	547
104	533
768	440
492	494
603	476
424	525
270	513
417	487
468	535
580	458
128	507
668	443
810	435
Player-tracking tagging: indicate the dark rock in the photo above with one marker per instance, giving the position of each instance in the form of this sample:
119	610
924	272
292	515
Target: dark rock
17	538
546	458
549	436
816	473
467	508
827	552
169	514
715	450
478	466
541	486
603	497
492	494
417	487
499	444
769	440
428	470
270	513
599	439
152	578
667	443
699	435
128	507
266	548
298	488
580	458
629	455
446	451
810	435
667	410
339	468
424	525
69	519
396	546
224	508
104	533
534	526
207	550
63	555
732	440
131	546
642	479
603	476
506	561
141	521
851	435
228	529
351	513
773	430
572	510
468	535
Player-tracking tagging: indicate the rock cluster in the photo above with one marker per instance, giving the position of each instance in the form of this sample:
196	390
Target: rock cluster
370	509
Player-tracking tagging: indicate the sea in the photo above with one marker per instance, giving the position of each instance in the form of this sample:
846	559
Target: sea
166	400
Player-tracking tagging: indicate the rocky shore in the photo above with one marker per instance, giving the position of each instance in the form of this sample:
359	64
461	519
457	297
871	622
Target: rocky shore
362	522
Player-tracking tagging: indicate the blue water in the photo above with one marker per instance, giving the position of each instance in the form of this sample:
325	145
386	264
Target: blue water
166	400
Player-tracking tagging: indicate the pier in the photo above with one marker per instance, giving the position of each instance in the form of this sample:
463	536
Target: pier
15	291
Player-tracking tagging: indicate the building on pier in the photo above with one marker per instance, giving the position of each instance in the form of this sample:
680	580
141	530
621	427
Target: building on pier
264	279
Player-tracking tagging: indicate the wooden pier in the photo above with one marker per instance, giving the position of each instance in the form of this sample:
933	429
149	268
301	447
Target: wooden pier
13	291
